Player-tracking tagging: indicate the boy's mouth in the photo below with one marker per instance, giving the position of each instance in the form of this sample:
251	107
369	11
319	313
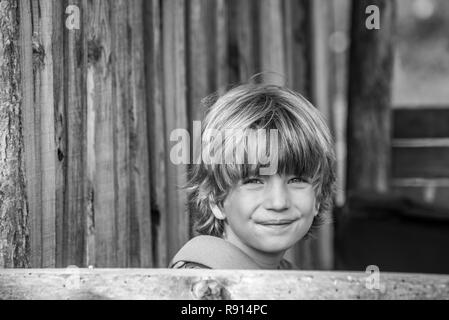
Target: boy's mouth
276	222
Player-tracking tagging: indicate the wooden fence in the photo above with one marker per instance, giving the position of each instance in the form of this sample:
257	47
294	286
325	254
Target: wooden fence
160	284
86	115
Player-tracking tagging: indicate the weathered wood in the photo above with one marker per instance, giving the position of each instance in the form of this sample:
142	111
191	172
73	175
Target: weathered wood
75	102
102	252
220	70
31	134
140	240
297	24
120	177
156	131
207	52
198	55
44	78
223	285
121	43
369	117
14	245
272	48
320	59
244	40
175	102
60	111
98	106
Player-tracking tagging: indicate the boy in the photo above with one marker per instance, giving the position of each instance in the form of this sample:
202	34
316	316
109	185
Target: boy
248	216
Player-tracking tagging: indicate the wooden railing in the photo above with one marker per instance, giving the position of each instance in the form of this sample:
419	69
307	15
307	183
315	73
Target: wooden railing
158	284
420	153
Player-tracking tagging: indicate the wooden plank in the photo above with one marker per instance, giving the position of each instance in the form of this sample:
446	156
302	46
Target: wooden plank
243	40
320	77
31	138
160	284
320	58
207	53
175	102
44	102
297	21
60	111
89	245
200	57
13	207
102	242
220	69
75	99
272	42
369	103
140	209
156	131
420	162
420	123
121	122
419	182
420	143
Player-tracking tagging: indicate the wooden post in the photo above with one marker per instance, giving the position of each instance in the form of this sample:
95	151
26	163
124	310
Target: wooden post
369	115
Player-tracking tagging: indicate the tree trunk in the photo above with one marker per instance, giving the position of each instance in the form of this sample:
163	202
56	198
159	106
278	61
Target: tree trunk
14	245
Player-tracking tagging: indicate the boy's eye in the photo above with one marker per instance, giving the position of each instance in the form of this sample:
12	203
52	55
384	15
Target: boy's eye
298	180
253	181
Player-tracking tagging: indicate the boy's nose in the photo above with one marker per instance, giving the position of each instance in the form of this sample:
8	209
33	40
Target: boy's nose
277	197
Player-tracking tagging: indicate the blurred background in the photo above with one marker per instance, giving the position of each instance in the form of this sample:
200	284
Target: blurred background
86	115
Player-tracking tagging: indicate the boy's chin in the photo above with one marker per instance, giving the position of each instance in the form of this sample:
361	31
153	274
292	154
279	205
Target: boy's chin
275	246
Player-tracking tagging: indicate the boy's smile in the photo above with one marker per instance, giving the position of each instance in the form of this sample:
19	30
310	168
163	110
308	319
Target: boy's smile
266	215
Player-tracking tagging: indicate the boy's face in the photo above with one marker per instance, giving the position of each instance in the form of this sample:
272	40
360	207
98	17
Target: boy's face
270	213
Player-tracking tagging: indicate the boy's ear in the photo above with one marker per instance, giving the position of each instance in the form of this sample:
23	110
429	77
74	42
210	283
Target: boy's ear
218	213
317	209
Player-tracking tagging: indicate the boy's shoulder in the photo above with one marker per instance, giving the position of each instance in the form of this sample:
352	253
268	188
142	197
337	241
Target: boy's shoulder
207	252
213	253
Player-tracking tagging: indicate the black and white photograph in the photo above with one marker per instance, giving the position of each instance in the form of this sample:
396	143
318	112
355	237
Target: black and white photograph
237	150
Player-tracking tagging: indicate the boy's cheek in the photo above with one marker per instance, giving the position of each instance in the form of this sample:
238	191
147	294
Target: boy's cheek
307	207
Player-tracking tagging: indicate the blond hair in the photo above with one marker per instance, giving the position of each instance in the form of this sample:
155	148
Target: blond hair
305	148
